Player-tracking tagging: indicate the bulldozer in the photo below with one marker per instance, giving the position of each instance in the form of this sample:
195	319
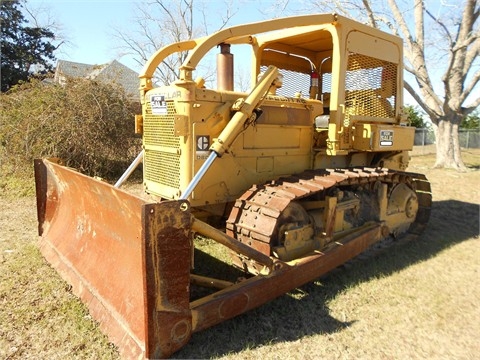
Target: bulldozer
294	177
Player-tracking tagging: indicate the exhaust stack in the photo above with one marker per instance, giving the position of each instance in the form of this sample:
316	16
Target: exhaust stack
225	68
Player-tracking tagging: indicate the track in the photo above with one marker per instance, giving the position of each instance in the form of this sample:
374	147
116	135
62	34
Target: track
260	212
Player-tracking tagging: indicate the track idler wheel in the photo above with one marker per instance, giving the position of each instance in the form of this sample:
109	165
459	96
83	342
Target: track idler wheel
294	235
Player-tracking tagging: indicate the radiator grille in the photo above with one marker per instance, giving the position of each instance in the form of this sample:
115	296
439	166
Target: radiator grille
370	87
162	168
158	130
162	148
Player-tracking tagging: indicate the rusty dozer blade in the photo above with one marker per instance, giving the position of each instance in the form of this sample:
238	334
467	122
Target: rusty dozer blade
129	261
121	256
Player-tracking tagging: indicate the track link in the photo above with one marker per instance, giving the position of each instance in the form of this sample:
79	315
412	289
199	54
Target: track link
258	212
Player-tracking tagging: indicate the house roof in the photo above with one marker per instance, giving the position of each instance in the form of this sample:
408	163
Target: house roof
110	72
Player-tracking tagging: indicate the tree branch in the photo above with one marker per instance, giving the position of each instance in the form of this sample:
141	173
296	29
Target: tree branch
409	69
471	55
464	35
473	106
401	21
470	86
419	24
428	109
457	71
442	25
416	54
370	14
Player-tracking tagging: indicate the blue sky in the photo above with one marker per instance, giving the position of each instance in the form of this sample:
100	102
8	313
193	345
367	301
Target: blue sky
88	24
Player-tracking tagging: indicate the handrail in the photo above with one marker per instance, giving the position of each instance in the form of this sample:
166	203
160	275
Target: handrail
160	55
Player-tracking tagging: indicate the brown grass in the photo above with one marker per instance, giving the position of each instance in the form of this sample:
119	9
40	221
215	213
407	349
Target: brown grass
415	301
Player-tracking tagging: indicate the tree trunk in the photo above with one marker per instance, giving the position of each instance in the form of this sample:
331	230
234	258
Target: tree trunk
448	146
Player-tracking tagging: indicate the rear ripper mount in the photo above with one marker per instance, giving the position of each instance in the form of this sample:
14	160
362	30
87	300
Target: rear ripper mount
145	249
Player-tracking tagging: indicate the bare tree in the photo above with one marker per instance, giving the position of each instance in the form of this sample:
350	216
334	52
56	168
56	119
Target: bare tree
40	15
442	45
162	22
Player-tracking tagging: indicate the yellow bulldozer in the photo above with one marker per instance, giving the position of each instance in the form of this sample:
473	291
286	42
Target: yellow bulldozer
292	178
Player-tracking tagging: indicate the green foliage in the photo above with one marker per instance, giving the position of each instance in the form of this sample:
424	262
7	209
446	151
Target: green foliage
472	121
89	125
414	116
26	51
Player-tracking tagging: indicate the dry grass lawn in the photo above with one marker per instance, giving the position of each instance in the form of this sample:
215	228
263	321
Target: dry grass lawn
415	301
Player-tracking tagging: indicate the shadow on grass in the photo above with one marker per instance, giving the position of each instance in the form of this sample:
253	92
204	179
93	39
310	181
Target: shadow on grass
304	311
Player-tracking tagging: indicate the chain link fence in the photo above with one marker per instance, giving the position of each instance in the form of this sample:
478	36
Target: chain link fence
469	138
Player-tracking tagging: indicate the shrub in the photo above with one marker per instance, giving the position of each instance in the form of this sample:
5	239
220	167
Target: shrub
89	125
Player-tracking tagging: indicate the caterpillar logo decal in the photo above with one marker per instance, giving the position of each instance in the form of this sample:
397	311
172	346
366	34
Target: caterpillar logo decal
202	144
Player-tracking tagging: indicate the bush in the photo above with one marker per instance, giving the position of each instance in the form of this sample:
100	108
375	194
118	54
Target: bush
415	117
87	124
